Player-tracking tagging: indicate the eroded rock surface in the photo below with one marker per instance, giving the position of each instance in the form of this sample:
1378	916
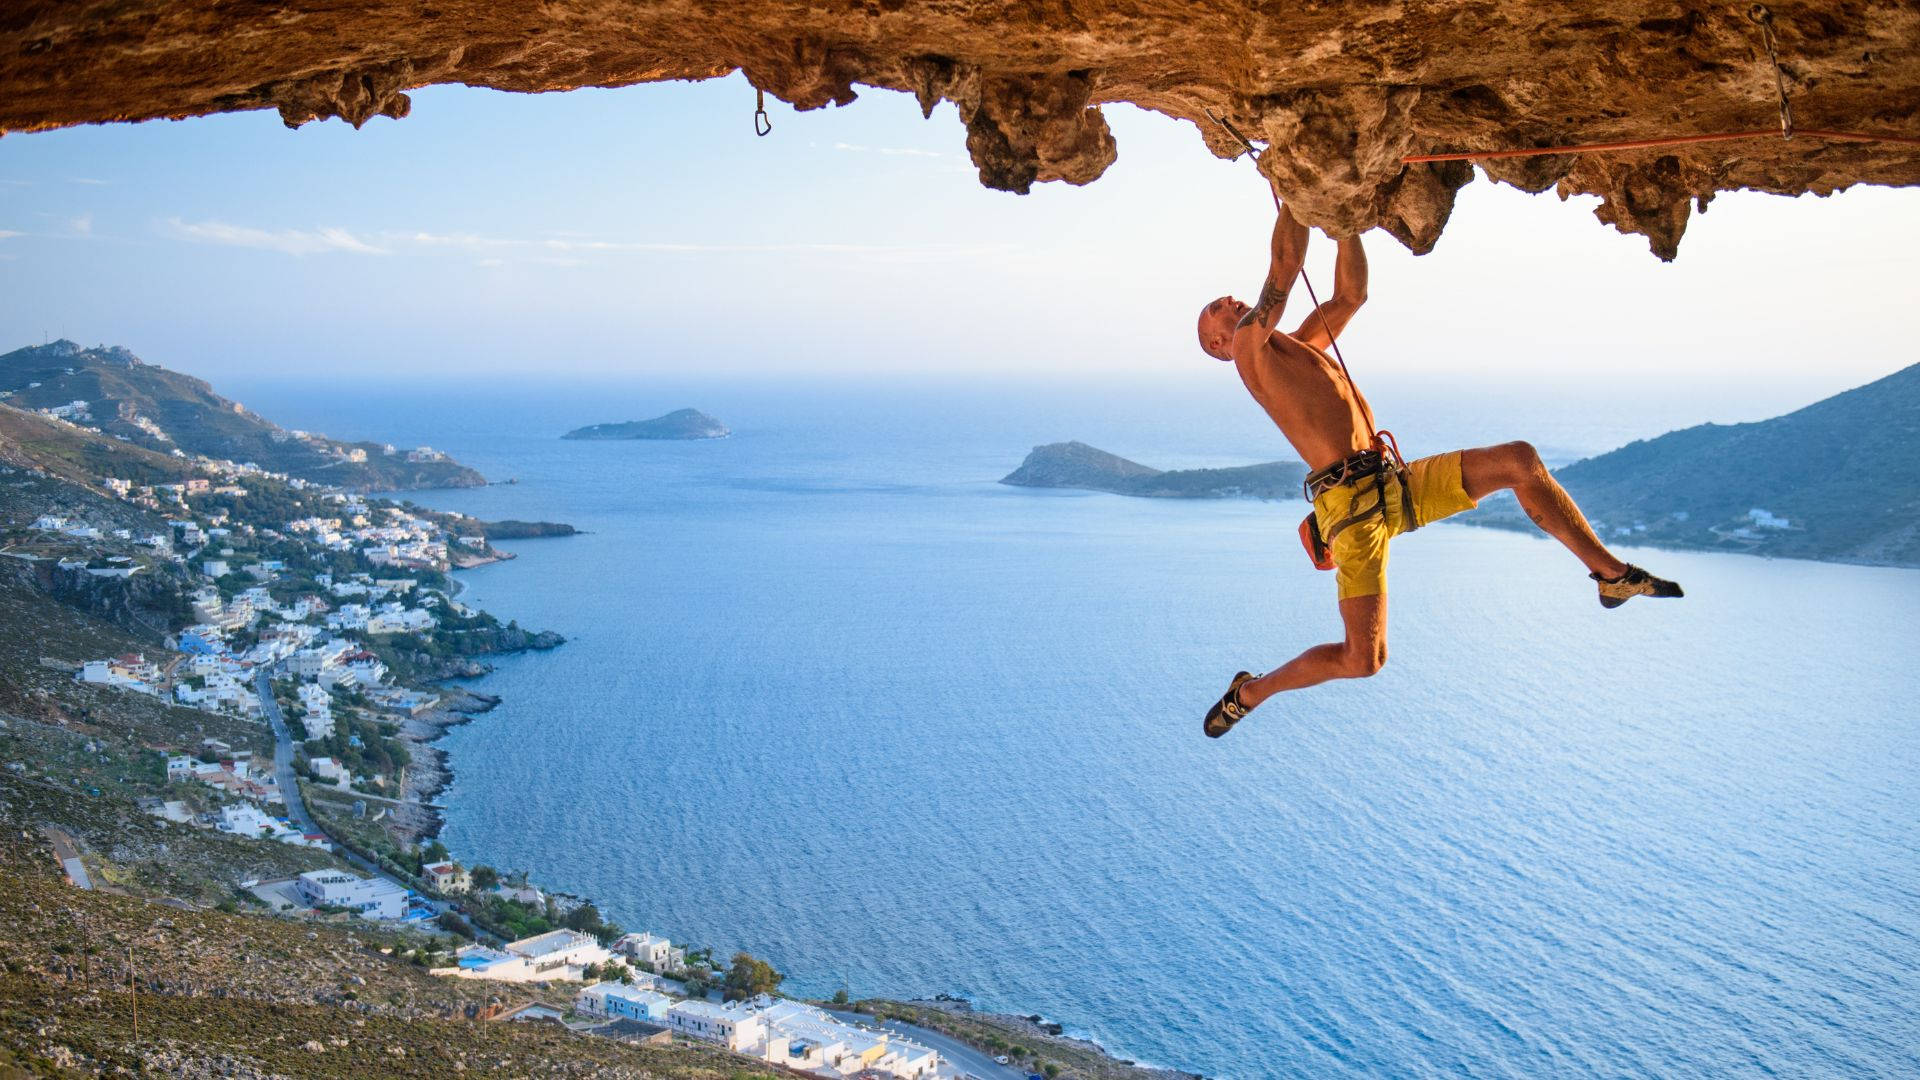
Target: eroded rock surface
1342	91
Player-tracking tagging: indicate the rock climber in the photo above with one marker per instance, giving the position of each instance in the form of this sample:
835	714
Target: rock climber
1362	493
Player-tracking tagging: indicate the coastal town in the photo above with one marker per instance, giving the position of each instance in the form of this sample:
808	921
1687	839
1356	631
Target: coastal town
326	619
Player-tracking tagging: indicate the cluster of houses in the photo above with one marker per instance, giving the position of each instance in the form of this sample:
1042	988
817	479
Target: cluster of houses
557	954
128	671
251	786
396	539
777	1031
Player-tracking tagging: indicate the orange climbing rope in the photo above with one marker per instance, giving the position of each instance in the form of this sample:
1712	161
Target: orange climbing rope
1647	144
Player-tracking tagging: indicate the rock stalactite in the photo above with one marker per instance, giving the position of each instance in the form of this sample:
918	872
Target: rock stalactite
1341	91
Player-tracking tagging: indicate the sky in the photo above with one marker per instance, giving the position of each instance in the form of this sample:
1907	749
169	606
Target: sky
646	230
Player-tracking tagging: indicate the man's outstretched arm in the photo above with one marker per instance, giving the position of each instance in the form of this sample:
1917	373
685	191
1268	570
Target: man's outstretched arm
1289	252
1326	322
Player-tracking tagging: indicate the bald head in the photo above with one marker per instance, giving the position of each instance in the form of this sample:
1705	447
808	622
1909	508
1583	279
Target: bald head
1217	323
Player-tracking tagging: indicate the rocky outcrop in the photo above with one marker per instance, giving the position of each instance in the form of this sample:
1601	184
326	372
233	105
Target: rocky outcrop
679	424
1079	466
1341	91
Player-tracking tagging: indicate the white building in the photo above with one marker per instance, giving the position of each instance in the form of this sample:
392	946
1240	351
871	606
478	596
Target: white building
618	1000
732	1026
318	720
557	954
803	1037
559	948
396	620
309	663
656	951
246	819
373	898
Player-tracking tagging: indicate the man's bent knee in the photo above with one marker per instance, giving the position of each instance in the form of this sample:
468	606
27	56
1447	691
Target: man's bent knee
1364	660
1500	468
1522	461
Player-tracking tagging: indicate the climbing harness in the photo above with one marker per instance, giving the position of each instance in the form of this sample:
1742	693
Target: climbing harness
762	123
1760	16
1372	463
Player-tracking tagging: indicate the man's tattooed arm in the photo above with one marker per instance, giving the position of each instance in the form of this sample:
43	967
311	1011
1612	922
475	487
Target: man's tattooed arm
1265	312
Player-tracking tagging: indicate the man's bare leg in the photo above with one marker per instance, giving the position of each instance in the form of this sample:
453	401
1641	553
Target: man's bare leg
1362	654
1517	467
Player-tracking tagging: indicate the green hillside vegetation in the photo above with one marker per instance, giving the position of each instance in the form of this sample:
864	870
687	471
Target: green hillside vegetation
1843	473
161	410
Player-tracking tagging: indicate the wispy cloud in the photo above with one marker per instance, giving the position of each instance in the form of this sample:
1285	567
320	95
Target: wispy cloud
891	151
286	241
586	243
88	180
82	225
553	249
5	233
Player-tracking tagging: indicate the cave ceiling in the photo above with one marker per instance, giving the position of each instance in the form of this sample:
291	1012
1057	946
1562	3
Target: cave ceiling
1340	92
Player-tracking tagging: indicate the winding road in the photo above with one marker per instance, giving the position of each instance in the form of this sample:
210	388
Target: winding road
965	1060
290	784
283	773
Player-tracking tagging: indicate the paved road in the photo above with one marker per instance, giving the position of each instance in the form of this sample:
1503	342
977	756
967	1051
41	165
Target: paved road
283	754
68	853
964	1058
289	783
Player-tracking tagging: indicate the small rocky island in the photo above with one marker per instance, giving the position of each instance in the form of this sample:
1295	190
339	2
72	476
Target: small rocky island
678	424
1077	465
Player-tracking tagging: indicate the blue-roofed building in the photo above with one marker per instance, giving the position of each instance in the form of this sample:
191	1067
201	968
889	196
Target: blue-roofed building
620	1001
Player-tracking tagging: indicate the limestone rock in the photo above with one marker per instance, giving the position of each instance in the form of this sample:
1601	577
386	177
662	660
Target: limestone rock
1341	91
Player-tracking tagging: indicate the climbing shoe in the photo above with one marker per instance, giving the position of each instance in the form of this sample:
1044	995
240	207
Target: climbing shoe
1227	711
1635	582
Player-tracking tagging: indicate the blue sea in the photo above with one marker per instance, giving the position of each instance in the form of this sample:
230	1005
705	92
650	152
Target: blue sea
832	695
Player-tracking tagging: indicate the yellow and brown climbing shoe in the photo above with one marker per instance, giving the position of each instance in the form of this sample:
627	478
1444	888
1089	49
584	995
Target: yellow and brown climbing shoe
1635	582
1227	711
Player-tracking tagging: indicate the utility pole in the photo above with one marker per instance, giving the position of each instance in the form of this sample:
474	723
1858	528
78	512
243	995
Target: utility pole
134	989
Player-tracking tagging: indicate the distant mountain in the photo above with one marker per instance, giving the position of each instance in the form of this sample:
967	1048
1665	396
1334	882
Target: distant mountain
1838	480
127	399
678	424
1077	465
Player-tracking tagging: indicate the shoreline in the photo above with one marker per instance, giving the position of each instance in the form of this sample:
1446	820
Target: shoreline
431	774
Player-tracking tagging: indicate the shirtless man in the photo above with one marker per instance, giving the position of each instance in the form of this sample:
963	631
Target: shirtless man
1361	498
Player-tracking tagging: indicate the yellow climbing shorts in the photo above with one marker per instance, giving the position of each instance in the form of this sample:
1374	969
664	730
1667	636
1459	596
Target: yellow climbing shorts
1360	550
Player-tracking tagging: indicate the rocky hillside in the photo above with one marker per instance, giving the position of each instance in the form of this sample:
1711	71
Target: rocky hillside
1077	465
1838	480
110	389
255	997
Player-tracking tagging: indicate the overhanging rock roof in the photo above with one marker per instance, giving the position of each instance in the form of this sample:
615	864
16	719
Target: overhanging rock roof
1343	90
